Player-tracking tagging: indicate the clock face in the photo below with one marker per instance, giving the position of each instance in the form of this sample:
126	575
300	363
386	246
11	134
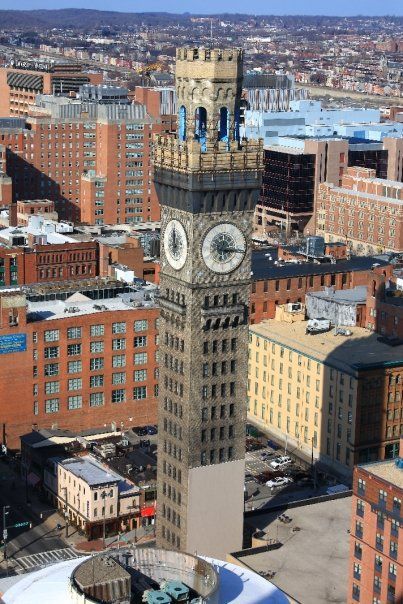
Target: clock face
223	248
175	244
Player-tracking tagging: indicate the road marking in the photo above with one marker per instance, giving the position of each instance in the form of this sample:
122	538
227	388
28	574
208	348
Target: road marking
46	558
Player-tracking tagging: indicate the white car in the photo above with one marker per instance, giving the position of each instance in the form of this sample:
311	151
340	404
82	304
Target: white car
280	462
279	481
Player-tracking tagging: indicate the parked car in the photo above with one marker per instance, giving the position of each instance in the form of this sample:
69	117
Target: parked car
267	454
140	430
280	462
152	429
273	445
279	481
249	477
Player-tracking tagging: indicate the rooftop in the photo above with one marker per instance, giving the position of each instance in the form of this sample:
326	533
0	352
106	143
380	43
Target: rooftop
79	304
90	470
318	549
264	268
387	470
362	349
356	295
364	194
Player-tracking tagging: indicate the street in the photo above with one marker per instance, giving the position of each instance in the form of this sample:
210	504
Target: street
24	541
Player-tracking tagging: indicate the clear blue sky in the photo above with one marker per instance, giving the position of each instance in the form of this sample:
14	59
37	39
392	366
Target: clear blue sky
278	7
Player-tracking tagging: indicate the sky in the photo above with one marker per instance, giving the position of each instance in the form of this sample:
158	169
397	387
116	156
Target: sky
274	7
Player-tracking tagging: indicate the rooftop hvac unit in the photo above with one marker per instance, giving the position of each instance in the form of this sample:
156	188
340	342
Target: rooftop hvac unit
294	306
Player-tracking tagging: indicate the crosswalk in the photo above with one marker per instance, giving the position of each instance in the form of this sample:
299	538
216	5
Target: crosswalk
34	561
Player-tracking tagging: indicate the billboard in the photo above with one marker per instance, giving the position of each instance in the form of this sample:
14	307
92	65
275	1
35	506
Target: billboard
13	343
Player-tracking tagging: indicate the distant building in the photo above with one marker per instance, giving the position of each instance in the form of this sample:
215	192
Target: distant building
364	211
375	572
77	355
23	80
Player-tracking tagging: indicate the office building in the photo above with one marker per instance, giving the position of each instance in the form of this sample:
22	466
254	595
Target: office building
90	158
375	570
23	80
334	400
77	355
364	211
207	182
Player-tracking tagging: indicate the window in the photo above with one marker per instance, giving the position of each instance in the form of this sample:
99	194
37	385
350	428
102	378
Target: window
73	333
361	486
73	349
96	381
96	347
119	378
75	384
75	402
140	358
74	367
392	570
51	352
140	341
52	405
357	571
52	387
139	392
96	399
360	507
97	330
379	542
119	344
51	335
119	395
96	364
140	375
141	325
119	360
51	369
356	592
119	327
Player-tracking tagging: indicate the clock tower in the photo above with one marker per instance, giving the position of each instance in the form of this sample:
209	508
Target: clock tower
207	181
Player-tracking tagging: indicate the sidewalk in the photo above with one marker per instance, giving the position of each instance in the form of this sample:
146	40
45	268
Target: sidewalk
140	536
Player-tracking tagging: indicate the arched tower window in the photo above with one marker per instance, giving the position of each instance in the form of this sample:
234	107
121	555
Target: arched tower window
236	124
201	127
224	124
182	123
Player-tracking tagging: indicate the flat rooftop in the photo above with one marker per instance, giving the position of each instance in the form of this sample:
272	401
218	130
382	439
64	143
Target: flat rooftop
356	295
90	470
362	349
311	566
365	195
264	268
79	304
387	470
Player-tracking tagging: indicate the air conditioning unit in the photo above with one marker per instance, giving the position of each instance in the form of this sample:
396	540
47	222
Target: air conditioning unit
294	307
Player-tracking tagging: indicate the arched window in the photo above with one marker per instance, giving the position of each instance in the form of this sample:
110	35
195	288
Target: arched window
182	123
224	124
201	127
236	124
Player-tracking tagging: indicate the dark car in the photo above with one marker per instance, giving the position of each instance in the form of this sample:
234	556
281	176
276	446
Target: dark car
273	445
152	430
140	431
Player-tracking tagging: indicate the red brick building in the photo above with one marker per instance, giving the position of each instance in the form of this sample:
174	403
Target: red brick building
92	161
366	212
77	362
376	545
48	263
279	284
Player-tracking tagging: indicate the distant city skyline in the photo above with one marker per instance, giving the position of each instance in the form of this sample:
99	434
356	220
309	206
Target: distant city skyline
273	7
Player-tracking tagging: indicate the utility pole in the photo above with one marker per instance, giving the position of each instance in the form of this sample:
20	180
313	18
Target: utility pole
5	533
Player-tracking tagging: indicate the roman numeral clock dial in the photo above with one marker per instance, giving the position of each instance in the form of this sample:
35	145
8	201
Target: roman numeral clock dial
223	248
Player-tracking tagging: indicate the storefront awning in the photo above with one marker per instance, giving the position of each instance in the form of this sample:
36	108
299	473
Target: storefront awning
149	511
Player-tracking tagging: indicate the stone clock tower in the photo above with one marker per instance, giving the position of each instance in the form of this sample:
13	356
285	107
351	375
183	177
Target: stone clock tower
207	182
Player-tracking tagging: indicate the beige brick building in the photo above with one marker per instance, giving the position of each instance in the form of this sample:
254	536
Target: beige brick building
312	391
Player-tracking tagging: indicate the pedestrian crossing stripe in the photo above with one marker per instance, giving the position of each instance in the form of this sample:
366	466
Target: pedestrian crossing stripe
46	558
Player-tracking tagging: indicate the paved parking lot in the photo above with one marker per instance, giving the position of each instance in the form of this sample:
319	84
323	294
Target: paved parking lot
259	495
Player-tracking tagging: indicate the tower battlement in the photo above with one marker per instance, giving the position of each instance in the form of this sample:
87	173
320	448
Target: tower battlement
212	55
